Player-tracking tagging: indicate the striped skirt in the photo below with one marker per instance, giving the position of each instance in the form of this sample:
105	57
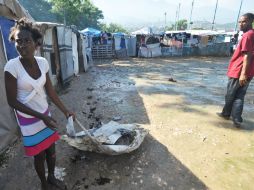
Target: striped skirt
37	137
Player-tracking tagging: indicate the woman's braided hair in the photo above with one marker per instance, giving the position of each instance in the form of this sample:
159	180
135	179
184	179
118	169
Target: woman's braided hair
25	24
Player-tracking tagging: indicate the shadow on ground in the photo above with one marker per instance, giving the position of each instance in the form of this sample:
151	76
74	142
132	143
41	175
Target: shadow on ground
150	167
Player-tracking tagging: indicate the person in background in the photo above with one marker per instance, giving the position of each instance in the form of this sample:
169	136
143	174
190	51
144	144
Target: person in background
27	85
240	72
104	38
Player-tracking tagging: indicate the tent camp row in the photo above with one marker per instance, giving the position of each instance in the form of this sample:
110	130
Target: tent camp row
196	42
63	47
145	43
185	43
182	43
110	45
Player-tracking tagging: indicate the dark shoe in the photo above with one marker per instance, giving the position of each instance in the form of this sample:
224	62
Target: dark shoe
237	123
223	116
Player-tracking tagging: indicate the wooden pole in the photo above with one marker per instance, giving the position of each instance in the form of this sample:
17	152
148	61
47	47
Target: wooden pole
236	24
190	22
214	14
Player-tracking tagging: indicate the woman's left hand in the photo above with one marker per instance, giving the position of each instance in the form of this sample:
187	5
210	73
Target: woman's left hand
69	113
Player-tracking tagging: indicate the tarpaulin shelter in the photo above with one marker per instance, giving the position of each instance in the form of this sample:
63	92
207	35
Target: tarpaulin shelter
9	11
120	44
49	48
83	53
148	43
65	50
195	42
64	39
144	31
8	49
90	31
12	9
120	41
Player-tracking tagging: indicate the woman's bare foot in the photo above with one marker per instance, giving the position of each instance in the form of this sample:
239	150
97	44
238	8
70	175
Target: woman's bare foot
56	182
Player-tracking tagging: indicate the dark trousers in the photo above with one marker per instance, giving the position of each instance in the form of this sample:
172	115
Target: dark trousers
234	99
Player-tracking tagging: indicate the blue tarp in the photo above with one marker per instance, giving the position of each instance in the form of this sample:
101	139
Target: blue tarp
6	25
120	34
91	32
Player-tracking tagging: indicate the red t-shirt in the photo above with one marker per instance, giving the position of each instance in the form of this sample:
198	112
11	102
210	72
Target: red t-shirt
246	44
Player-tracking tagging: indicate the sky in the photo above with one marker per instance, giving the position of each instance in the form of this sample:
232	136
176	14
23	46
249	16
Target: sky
127	12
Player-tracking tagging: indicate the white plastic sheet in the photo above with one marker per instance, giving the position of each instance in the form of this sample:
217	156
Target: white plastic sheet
104	139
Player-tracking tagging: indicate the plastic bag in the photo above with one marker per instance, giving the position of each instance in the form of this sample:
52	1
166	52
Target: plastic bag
70	127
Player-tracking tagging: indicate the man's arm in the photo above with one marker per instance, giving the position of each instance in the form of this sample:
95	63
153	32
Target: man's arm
243	80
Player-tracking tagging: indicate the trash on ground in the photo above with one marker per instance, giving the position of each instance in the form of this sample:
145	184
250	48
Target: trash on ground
59	173
172	80
112	138
116	118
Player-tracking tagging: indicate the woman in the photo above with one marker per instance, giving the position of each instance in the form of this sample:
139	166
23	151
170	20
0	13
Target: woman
27	82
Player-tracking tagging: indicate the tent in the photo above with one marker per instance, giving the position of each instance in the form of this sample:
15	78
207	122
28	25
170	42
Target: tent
120	41
147	46
83	53
120	44
145	31
90	32
49	48
12	9
65	49
9	10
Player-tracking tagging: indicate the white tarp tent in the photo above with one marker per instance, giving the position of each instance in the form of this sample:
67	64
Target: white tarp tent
12	9
49	48
74	41
83	53
9	9
64	37
151	50
145	30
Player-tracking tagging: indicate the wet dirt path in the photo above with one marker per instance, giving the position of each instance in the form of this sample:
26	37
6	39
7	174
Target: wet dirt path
188	146
182	117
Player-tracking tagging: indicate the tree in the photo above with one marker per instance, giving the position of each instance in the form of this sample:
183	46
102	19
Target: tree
172	27
81	13
180	25
39	10
112	28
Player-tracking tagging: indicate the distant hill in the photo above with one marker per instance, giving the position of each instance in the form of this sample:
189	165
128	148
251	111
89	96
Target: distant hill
208	25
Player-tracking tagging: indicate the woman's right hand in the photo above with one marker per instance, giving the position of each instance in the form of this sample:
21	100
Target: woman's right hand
50	122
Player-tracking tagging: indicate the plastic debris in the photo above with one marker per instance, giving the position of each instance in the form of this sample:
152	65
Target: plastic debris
112	138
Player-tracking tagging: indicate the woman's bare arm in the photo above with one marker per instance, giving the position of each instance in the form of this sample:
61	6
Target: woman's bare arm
11	94
54	97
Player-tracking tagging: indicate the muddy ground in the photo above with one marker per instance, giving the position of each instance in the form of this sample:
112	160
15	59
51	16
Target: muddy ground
188	146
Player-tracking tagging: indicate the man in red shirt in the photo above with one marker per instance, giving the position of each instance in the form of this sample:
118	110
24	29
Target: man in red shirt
240	72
